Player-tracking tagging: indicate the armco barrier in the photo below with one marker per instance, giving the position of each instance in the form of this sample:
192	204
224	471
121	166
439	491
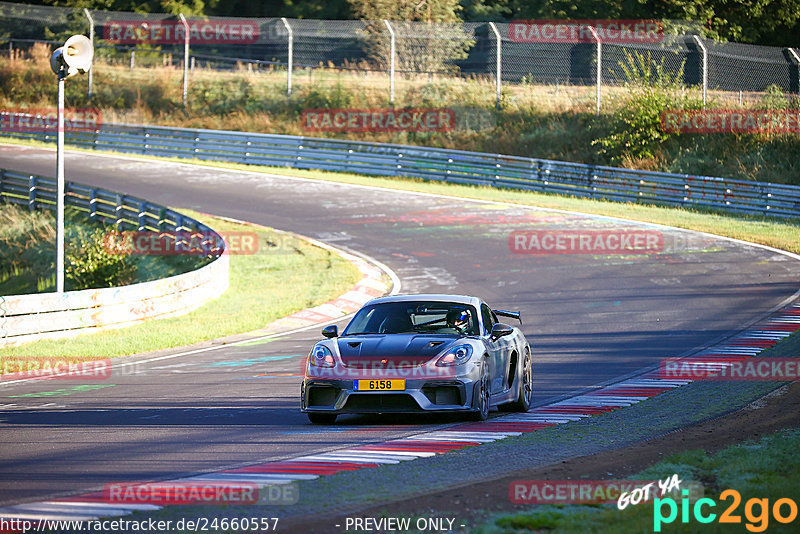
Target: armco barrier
36	316
496	170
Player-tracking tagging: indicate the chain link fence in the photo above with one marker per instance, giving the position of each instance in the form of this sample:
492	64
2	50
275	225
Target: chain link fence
397	54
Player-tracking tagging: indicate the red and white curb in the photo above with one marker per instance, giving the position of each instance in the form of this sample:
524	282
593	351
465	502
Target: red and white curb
746	344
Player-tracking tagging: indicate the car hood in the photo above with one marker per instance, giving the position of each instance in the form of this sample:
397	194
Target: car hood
391	350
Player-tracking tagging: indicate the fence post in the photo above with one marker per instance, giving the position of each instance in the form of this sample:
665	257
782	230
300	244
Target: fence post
185	58
142	219
499	67
91	38
290	57
93	204
704	67
119	201
32	192
392	52
3	312
599	74
133	58
793	53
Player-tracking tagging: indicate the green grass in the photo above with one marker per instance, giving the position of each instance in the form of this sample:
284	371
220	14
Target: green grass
766	468
27	250
264	287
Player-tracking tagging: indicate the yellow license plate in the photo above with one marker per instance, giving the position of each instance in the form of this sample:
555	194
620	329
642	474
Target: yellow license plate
380	385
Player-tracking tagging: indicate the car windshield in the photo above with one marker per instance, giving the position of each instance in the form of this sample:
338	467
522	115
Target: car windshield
414	316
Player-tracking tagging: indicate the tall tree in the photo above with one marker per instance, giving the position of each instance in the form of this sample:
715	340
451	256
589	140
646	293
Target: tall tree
487	10
773	22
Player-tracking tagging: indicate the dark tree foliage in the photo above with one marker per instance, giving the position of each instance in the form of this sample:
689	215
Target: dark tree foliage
319	9
769	22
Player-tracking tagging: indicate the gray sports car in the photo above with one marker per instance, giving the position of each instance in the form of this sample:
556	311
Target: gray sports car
419	353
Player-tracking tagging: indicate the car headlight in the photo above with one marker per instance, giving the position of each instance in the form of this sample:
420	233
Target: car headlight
321	356
455	356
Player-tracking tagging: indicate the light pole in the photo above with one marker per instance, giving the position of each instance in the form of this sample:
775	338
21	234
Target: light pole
91	38
72	58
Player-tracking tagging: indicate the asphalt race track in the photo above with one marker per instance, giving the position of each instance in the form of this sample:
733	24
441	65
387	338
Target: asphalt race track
590	319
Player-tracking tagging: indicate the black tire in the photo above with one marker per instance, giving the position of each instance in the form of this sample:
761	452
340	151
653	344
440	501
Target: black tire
480	397
322	418
525	390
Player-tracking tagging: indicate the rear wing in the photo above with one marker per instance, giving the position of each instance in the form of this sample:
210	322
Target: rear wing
513	315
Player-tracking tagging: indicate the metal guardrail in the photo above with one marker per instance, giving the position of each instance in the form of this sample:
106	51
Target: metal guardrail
125	211
29	317
475	168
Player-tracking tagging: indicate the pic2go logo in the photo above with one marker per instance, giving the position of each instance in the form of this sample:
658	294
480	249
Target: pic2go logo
756	511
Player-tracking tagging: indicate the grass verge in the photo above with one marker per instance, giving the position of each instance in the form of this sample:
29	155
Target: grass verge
776	233
288	274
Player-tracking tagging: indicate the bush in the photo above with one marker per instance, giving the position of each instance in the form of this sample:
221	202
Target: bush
635	129
88	264
326	96
28	253
775	99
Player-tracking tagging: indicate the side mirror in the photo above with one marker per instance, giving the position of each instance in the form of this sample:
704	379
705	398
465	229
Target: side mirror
501	329
330	331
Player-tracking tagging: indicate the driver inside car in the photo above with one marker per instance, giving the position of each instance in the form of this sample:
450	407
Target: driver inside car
458	320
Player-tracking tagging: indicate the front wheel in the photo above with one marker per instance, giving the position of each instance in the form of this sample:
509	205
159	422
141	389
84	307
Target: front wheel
480	402
322	418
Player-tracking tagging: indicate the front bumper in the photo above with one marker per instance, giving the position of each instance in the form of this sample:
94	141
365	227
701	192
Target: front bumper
454	393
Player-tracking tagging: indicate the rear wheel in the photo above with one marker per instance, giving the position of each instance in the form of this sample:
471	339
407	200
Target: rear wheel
322	418
525	391
480	397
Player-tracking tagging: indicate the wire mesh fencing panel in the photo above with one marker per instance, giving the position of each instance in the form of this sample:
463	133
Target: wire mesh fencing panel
744	67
